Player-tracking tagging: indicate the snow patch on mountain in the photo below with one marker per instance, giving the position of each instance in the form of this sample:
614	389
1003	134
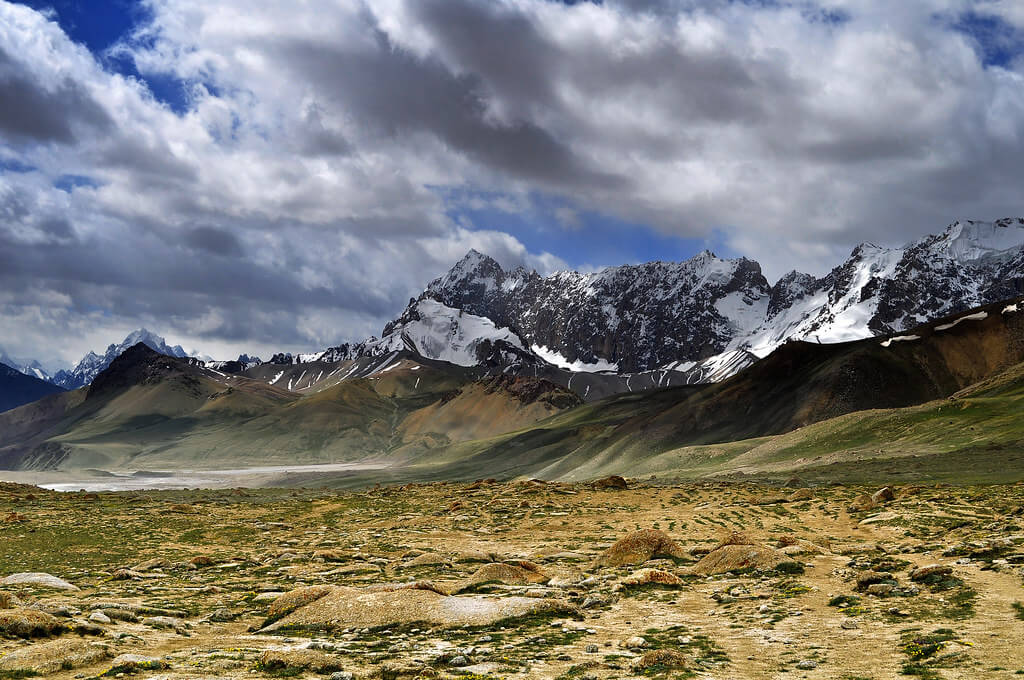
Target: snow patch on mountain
700	320
577	366
436	331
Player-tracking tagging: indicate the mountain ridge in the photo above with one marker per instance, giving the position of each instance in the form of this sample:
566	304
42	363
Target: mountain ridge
92	364
654	315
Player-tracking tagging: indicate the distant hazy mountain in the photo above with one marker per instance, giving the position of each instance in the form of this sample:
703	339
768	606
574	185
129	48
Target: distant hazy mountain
17	389
27	366
92	364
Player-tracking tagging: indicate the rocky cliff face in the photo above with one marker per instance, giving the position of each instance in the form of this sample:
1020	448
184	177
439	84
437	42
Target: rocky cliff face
629	318
644	317
701	320
93	364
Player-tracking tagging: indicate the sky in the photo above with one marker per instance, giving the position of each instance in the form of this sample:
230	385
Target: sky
257	176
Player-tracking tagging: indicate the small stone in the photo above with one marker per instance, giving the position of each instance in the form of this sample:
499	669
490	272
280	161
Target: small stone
922	573
807	665
591	649
99	617
883	495
342	675
459	661
161	622
849	625
635	642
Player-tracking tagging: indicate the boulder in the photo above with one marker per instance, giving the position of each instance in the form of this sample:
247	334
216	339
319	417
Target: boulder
862	503
133	663
635	642
291	660
501	572
930	571
660	658
427	560
47	658
292	600
638	547
28	623
651	577
346	607
610	482
735	557
37	579
883	495
800	495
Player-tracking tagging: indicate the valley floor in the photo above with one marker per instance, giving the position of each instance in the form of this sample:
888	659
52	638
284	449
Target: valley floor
189	583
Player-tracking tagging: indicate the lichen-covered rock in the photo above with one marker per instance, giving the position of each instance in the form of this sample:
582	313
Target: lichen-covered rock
37	579
638	547
735	557
346	607
27	623
291	660
645	577
46	658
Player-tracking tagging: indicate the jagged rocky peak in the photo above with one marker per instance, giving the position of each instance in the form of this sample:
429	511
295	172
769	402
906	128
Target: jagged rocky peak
626	318
92	364
787	290
707	317
137	365
282	358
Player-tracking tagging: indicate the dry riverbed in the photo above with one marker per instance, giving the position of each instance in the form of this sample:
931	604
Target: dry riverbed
520	579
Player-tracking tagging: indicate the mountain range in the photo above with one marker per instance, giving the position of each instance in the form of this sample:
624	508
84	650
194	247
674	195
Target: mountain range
661	324
662	315
947	393
661	366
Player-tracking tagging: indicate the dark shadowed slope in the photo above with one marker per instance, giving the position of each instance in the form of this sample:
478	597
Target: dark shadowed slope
16	388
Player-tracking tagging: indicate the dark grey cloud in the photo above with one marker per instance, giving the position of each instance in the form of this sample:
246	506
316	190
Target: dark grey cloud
215	241
397	94
32	112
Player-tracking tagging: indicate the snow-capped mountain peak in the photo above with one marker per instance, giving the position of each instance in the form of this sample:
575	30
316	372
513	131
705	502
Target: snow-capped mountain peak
92	364
970	241
716	312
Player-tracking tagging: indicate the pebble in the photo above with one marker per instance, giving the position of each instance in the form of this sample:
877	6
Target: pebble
807	665
635	642
99	617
